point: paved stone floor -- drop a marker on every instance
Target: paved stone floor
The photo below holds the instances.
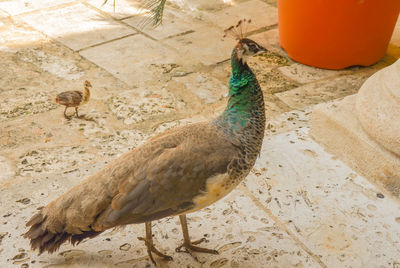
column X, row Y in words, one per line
column 300, row 207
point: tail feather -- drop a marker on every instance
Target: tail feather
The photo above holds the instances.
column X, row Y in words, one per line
column 42, row 239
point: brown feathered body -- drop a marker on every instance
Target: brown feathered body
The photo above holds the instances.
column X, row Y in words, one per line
column 177, row 172
column 73, row 98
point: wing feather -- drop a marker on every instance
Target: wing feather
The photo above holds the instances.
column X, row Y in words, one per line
column 170, row 171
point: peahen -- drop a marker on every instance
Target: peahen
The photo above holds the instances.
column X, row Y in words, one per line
column 177, row 172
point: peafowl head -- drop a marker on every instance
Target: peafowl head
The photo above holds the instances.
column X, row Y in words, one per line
column 87, row 84
column 245, row 48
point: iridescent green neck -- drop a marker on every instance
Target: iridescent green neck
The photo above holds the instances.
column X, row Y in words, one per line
column 244, row 92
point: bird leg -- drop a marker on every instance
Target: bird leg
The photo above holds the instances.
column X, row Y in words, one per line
column 65, row 113
column 76, row 111
column 190, row 246
column 150, row 246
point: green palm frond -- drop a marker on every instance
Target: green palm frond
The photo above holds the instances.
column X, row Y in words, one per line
column 154, row 12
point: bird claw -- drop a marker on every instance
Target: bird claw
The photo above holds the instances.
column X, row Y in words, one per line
column 151, row 248
column 190, row 248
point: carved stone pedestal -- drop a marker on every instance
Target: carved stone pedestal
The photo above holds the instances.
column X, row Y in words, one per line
column 363, row 130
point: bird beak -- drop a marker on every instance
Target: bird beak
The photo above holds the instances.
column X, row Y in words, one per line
column 262, row 50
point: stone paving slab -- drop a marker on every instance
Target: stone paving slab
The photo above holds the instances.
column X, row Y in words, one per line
column 257, row 241
column 198, row 8
column 313, row 93
column 76, row 26
column 135, row 106
column 338, row 215
column 269, row 40
column 15, row 7
column 175, row 22
column 121, row 10
column 207, row 88
column 206, row 45
column 337, row 126
column 143, row 86
column 135, row 59
column 3, row 14
column 15, row 36
column 305, row 74
column 261, row 14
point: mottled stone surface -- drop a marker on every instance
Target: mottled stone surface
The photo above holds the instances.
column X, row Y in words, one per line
column 174, row 23
column 205, row 45
column 76, row 26
column 305, row 74
column 121, row 10
column 261, row 14
column 15, row 7
column 337, row 126
column 298, row 208
column 135, row 59
column 332, row 210
column 313, row 93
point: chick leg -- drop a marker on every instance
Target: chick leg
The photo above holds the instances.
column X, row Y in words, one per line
column 188, row 245
column 76, row 111
column 150, row 246
column 65, row 113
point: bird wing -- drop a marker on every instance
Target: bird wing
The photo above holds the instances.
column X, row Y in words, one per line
column 170, row 171
column 69, row 98
column 163, row 177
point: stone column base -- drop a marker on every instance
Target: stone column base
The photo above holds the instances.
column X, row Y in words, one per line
column 336, row 126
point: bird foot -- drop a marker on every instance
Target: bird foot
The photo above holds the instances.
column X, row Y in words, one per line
column 151, row 248
column 190, row 248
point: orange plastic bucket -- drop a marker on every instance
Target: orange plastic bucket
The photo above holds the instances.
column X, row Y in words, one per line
column 335, row 34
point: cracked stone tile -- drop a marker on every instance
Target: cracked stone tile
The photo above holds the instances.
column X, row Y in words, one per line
column 333, row 211
column 271, row 2
column 205, row 87
column 61, row 67
column 196, row 7
column 270, row 40
column 108, row 139
column 15, row 7
column 317, row 92
column 136, row 60
column 135, row 106
column 7, row 172
column 273, row 106
column 50, row 159
column 164, row 126
column 288, row 121
column 244, row 237
column 122, row 8
column 14, row 36
column 76, row 26
column 15, row 104
column 175, row 22
column 260, row 13
column 205, row 45
column 305, row 74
